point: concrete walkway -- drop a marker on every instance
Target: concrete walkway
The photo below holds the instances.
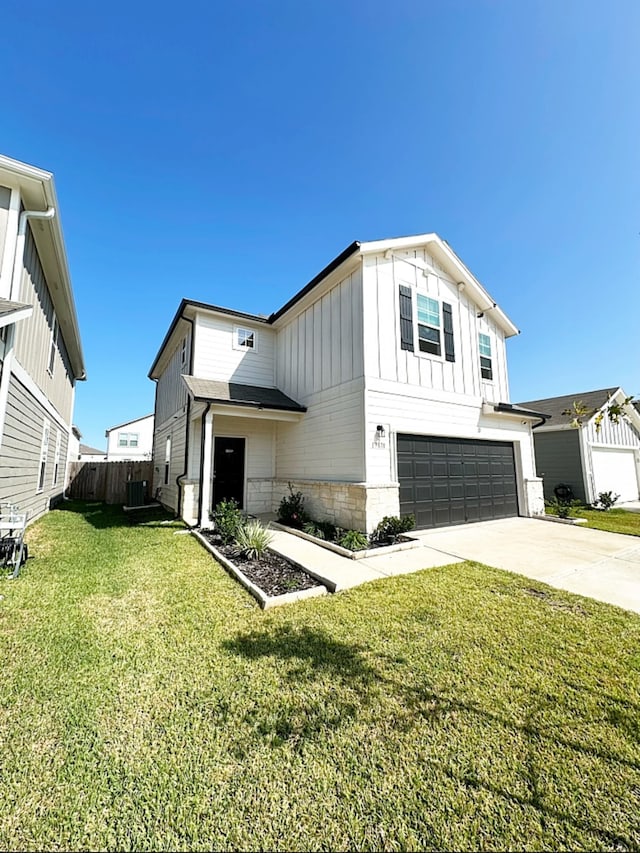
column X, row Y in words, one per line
column 338, row 572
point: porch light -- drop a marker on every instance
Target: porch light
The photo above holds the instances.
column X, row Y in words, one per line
column 379, row 431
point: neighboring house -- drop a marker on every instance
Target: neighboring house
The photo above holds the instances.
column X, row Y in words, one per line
column 40, row 344
column 379, row 389
column 588, row 460
column 132, row 440
column 91, row 454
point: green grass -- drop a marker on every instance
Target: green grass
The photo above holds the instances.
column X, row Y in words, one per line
column 614, row 520
column 146, row 702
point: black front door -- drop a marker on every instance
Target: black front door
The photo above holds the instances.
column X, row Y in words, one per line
column 228, row 470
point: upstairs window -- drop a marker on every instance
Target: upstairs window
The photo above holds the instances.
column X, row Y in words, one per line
column 183, row 353
column 428, row 325
column 244, row 339
column 54, row 345
column 486, row 364
column 128, row 439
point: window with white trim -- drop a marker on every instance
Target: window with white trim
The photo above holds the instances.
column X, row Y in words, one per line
column 128, row 439
column 44, row 450
column 56, row 458
column 428, row 324
column 486, row 363
column 167, row 459
column 244, row 339
column 53, row 346
column 183, row 353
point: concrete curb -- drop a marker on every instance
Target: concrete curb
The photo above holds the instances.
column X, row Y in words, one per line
column 265, row 601
column 345, row 552
column 557, row 520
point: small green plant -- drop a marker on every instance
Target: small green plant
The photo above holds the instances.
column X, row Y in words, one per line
column 252, row 540
column 391, row 528
column 562, row 508
column 605, row 501
column 311, row 528
column 228, row 520
column 353, row 540
column 291, row 510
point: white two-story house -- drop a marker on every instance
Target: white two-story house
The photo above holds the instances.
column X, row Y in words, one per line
column 380, row 388
column 40, row 348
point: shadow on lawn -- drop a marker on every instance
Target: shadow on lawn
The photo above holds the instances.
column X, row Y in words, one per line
column 102, row 516
column 316, row 655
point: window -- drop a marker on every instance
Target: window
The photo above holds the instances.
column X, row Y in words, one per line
column 244, row 339
column 54, row 345
column 484, row 345
column 44, row 450
column 128, row 439
column 428, row 325
column 167, row 459
column 56, row 458
column 183, row 353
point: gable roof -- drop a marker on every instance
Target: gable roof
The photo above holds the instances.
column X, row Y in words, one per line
column 37, row 191
column 255, row 396
column 128, row 423
column 555, row 406
column 441, row 250
column 91, row 451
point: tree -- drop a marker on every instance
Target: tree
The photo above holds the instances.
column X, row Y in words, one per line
column 612, row 410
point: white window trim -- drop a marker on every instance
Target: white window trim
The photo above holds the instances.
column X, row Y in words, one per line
column 491, row 358
column 183, row 353
column 416, row 335
column 127, row 439
column 56, row 458
column 167, row 460
column 44, row 452
column 236, row 345
column 53, row 346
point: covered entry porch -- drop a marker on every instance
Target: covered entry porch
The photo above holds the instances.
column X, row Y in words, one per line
column 233, row 430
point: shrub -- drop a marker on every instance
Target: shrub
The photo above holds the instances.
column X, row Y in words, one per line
column 563, row 509
column 605, row 501
column 228, row 520
column 392, row 527
column 353, row 540
column 291, row 510
column 252, row 540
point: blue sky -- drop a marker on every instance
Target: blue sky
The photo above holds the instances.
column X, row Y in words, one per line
column 227, row 152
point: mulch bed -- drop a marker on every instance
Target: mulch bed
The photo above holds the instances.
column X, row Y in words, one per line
column 275, row 575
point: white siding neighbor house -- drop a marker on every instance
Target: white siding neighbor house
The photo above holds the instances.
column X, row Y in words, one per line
column 40, row 347
column 379, row 389
column 130, row 441
column 588, row 459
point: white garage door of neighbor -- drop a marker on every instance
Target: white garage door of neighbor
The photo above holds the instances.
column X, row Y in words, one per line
column 615, row 471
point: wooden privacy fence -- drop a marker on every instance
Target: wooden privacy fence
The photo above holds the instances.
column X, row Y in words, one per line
column 107, row 481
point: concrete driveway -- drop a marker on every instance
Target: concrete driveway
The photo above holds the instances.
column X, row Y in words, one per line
column 605, row 566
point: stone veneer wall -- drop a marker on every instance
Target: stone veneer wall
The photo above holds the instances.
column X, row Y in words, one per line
column 354, row 506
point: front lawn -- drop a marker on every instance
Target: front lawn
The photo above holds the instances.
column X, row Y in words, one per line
column 146, row 702
column 614, row 520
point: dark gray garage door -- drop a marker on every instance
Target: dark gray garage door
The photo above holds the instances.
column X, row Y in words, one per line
column 455, row 480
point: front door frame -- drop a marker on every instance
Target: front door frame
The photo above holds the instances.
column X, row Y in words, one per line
column 235, row 436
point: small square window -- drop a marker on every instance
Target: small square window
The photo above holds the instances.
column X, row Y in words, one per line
column 245, row 339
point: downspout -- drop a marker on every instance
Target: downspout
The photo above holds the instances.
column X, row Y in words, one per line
column 542, row 422
column 18, row 262
column 180, row 477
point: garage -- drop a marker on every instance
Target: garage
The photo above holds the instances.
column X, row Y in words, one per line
column 446, row 481
column 614, row 470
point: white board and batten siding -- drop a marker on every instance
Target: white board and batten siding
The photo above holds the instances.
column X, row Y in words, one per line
column 5, row 201
column 171, row 392
column 320, row 364
column 217, row 357
column 386, row 360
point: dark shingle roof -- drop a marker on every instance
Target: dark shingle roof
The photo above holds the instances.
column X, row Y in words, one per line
column 240, row 395
column 91, row 451
column 555, row 406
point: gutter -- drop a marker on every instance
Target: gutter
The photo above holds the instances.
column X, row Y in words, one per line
column 510, row 409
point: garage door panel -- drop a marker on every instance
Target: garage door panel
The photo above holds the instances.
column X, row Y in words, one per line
column 455, row 481
column 614, row 470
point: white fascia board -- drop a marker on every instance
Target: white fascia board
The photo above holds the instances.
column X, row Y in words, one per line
column 37, row 191
column 630, row 410
column 445, row 255
column 16, row 316
column 260, row 414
